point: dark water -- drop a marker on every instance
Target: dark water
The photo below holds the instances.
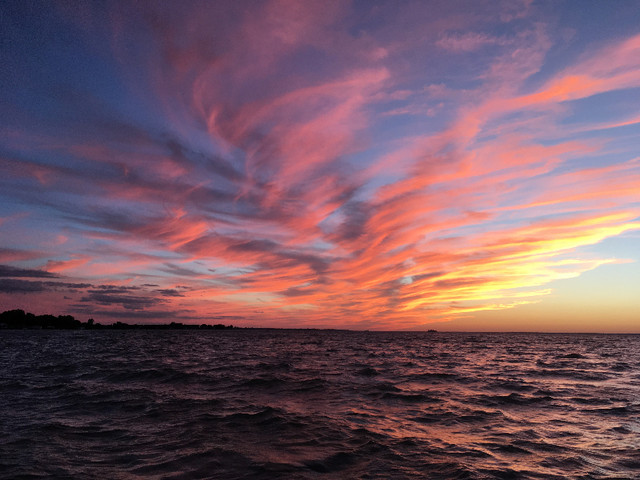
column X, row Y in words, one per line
column 318, row 404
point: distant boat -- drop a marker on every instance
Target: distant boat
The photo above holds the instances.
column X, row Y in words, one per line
column 431, row 330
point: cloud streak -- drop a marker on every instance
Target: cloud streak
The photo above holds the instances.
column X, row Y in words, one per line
column 299, row 163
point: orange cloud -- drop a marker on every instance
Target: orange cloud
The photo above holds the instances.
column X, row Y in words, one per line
column 279, row 177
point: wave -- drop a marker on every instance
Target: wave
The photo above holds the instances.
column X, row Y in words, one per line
column 308, row 405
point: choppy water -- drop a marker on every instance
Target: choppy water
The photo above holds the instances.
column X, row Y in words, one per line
column 318, row 404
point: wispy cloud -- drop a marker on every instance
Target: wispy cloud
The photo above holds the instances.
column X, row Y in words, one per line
column 13, row 272
column 310, row 163
column 467, row 42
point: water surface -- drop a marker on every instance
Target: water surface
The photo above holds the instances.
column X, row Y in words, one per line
column 269, row 404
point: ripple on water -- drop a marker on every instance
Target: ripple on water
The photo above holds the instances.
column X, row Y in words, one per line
column 318, row 404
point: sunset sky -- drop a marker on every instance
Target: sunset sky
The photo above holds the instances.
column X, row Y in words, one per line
column 369, row 165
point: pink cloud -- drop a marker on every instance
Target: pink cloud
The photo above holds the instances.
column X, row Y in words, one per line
column 63, row 265
column 288, row 187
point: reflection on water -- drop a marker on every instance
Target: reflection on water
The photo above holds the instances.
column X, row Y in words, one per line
column 309, row 404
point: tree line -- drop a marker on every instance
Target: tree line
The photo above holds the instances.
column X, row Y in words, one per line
column 19, row 319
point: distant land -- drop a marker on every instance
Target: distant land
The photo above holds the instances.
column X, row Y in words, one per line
column 19, row 319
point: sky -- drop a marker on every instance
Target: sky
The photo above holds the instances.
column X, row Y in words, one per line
column 456, row 165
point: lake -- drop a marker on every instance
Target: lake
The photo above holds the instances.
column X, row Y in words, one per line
column 316, row 404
